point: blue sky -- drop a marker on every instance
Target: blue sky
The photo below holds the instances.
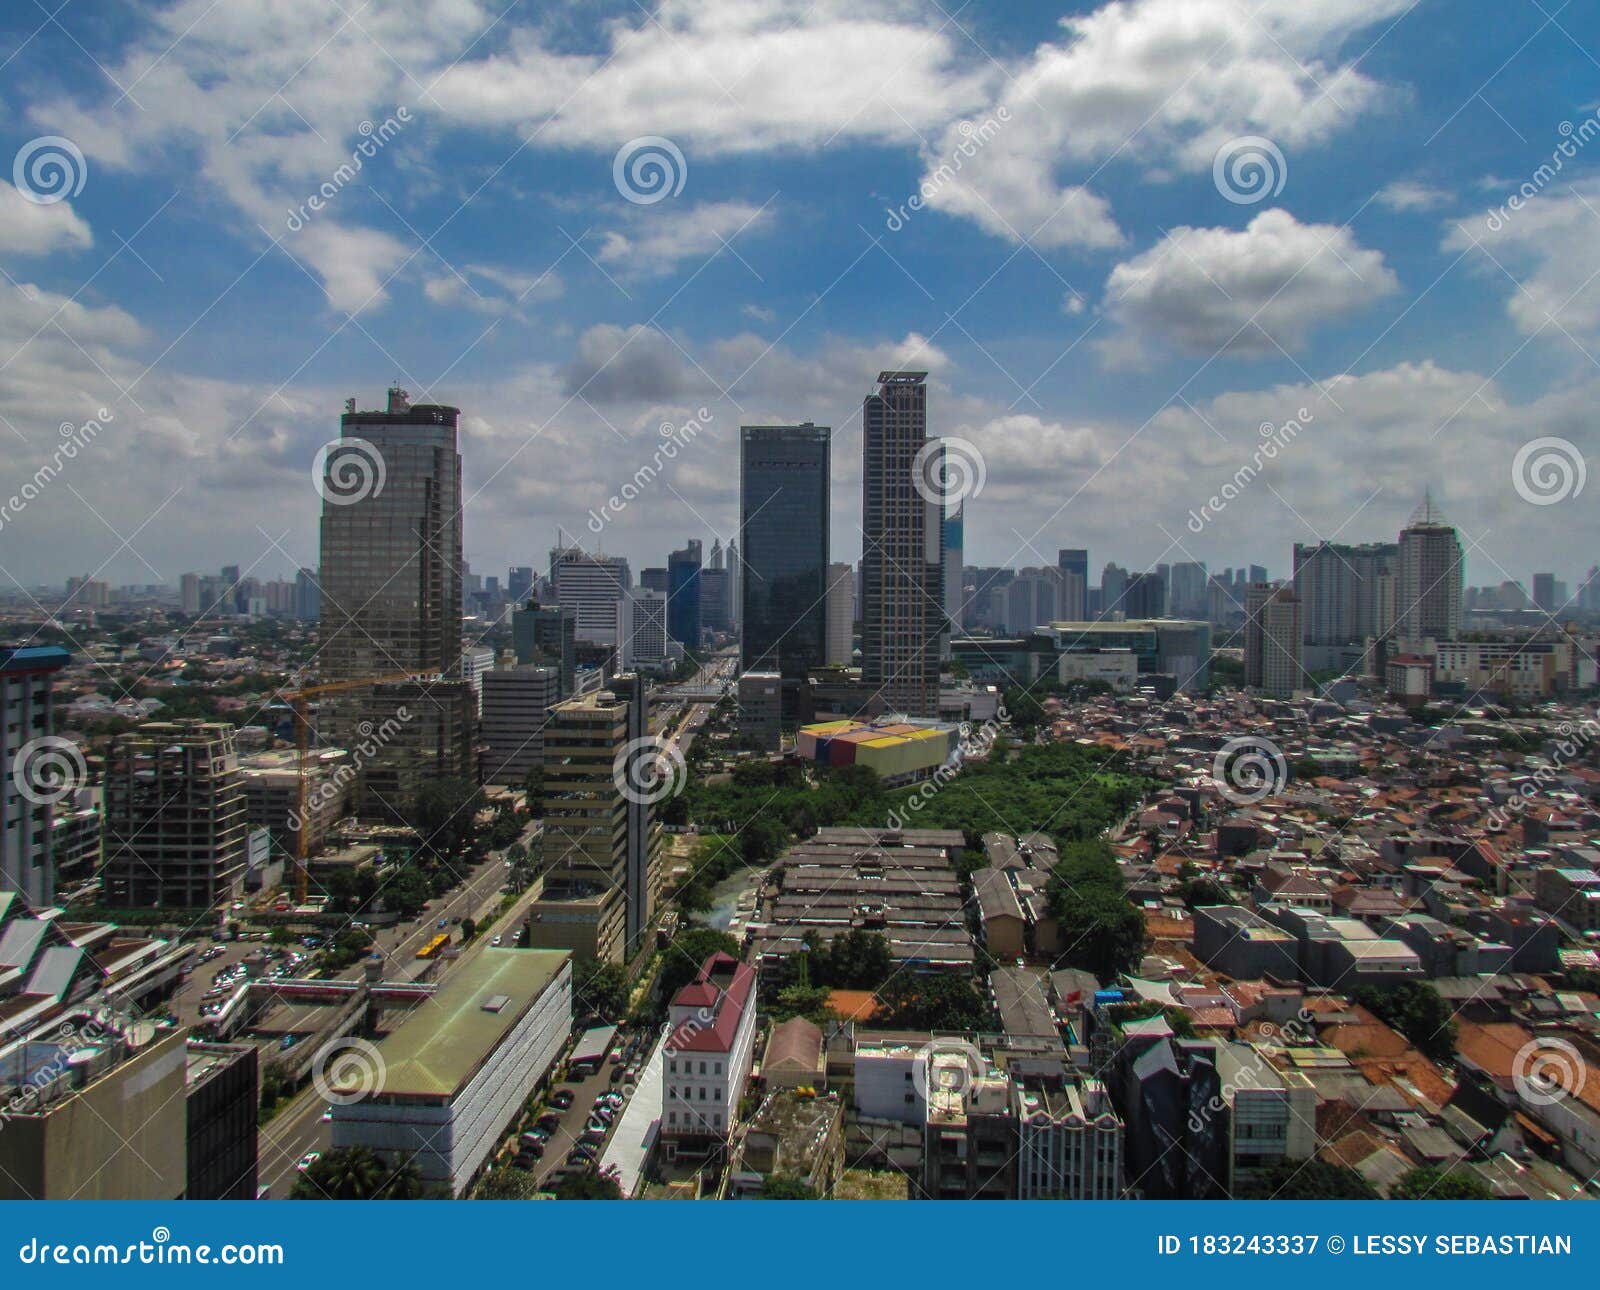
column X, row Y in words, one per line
column 1105, row 328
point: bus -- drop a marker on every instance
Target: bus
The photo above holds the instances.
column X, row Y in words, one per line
column 434, row 946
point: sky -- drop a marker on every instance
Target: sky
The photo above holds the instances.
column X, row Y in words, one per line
column 1132, row 243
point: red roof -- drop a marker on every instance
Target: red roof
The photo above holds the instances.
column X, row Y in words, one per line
column 719, row 996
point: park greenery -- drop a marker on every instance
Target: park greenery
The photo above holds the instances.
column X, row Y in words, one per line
column 1103, row 933
column 1418, row 1011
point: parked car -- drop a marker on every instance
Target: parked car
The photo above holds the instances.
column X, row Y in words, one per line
column 549, row 1122
column 561, row 1099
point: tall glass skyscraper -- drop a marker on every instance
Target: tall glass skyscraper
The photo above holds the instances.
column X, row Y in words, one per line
column 902, row 562
column 683, row 595
column 783, row 546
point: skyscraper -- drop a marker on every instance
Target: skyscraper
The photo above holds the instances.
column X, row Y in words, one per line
column 901, row 559
column 590, row 586
column 1339, row 587
column 519, row 582
column 841, row 614
column 546, row 635
column 1144, row 596
column 642, row 632
column 1544, row 592
column 954, row 553
column 1429, row 577
column 1272, row 641
column 683, row 595
column 782, row 557
column 27, row 713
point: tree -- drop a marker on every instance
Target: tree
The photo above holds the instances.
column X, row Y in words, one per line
column 356, row 1173
column 855, row 960
column 1307, row 1180
column 786, row 1187
column 680, row 964
column 469, row 928
column 808, row 1001
column 932, row 1001
column 408, row 891
column 1103, row 933
column 600, row 988
column 1431, row 1183
column 587, row 1186
column 1418, row 1011
column 1204, row 891
column 507, row 1183
column 444, row 813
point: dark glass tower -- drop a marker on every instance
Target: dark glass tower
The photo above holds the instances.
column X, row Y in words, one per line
column 783, row 544
column 683, row 595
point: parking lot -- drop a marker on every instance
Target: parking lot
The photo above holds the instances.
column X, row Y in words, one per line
column 573, row 1122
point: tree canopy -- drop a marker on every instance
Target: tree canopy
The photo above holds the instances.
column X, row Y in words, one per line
column 356, row 1173
column 1418, row 1011
column 1307, row 1180
column 1431, row 1183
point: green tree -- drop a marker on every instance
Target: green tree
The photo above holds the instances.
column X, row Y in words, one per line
column 1307, row 1180
column 1205, row 891
column 1418, row 1011
column 587, row 1186
column 680, row 963
column 507, row 1183
column 855, row 960
column 469, row 928
column 932, row 1001
column 808, row 1001
column 355, row 1173
column 444, row 815
column 600, row 988
column 786, row 1187
column 1431, row 1183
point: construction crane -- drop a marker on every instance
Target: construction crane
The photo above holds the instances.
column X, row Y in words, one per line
column 297, row 700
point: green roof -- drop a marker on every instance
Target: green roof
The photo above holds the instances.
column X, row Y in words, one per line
column 443, row 1041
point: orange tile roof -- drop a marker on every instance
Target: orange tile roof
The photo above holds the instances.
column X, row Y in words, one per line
column 853, row 1005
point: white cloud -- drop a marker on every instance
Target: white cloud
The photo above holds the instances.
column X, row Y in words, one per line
column 659, row 238
column 1208, row 290
column 32, row 228
column 1412, row 195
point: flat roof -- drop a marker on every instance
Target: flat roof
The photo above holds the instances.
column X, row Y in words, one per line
column 446, row 1038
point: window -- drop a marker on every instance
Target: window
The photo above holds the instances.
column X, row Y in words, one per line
column 718, row 1093
column 702, row 1068
column 672, row 1066
column 672, row 1117
column 716, row 1068
column 702, row 1093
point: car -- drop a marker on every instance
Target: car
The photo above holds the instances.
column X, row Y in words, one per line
column 306, row 1161
column 611, row 1099
column 593, row 1135
column 562, row 1099
column 596, row 1125
column 579, row 1159
column 617, row 1073
column 287, row 1042
column 535, row 1137
column 327, row 1114
column 497, row 939
column 527, row 1160
column 549, row 1123
column 443, row 923
column 618, row 1057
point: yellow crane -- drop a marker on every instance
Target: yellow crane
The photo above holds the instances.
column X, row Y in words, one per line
column 297, row 700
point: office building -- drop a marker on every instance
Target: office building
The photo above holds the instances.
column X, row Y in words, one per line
column 783, row 548
column 476, row 663
column 1144, row 596
column 761, row 711
column 1544, row 593
column 222, row 1110
column 1186, row 587
column 589, row 586
column 420, row 731
column 1429, row 577
column 1033, row 598
column 175, row 817
column 458, row 1067
column 840, row 651
column 28, row 861
column 683, row 595
column 642, row 630
column 707, row 1055
column 1341, row 589
column 657, row 580
column 546, row 635
column 955, row 541
column 519, row 583
column 902, row 561
column 516, row 701
column 716, row 613
column 735, row 584
column 1272, row 642
column 1113, row 586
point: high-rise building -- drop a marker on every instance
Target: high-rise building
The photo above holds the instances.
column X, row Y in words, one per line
column 32, row 776
column 1340, row 588
column 735, row 584
column 783, row 548
column 547, row 635
column 1144, row 596
column 189, row 593
column 683, row 595
column 716, row 599
column 1074, row 559
column 656, row 579
column 600, row 846
column 642, row 635
column 1113, row 585
column 519, row 582
column 175, row 817
column 901, row 560
column 590, row 586
column 716, row 558
column 841, row 615
column 1033, row 598
column 1257, row 573
column 1272, row 636
column 1544, row 592
column 1428, row 577
column 1186, row 596
column 955, row 542
column 516, row 701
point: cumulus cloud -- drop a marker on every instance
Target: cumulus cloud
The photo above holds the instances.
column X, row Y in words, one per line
column 659, row 238
column 1251, row 291
column 32, row 228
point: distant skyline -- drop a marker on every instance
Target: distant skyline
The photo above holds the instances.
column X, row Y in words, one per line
column 1047, row 206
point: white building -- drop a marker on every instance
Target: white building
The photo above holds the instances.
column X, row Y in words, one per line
column 475, row 665
column 1069, row 1143
column 1118, row 668
column 453, row 1075
column 642, row 631
column 590, row 586
column 708, row 1055
column 515, row 703
column 840, row 630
